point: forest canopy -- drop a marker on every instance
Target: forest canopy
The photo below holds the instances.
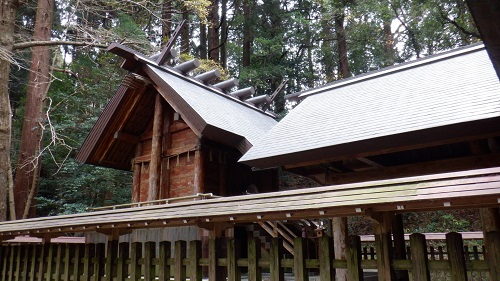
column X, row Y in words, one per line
column 56, row 76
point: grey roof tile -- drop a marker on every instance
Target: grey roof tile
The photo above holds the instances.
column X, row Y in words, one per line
column 452, row 88
column 220, row 110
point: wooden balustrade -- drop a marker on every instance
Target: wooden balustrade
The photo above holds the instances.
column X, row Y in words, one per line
column 160, row 261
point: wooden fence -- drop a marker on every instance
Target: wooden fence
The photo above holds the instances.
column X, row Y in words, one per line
column 180, row 261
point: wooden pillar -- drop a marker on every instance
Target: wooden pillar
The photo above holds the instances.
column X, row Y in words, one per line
column 456, row 258
column 198, row 172
column 420, row 265
column 233, row 271
column 180, row 255
column 490, row 219
column 299, row 259
column 383, row 243
column 355, row 273
column 398, row 235
column 155, row 164
column 166, row 142
column 195, row 273
column 136, row 185
column 275, row 253
column 493, row 254
column 339, row 226
column 254, row 271
column 326, row 255
column 165, row 254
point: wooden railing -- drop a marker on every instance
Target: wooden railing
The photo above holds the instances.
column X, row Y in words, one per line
column 156, row 261
column 197, row 196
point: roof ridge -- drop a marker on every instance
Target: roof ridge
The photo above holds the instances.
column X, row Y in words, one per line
column 194, row 81
column 389, row 70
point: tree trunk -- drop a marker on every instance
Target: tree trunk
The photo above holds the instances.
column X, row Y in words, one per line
column 213, row 31
column 224, row 34
column 28, row 169
column 185, row 33
column 388, row 44
column 203, row 41
column 166, row 17
column 247, row 33
column 341, row 45
column 7, row 19
column 326, row 46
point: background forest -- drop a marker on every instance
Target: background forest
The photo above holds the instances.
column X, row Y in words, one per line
column 61, row 77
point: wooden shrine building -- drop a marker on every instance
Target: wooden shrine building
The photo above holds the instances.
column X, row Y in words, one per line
column 420, row 136
column 180, row 135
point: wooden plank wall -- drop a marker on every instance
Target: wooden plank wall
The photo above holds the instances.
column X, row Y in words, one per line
column 184, row 260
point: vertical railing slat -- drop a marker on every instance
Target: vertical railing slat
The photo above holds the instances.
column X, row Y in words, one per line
column 233, row 272
column 180, row 255
column 419, row 259
column 353, row 255
column 275, row 253
column 254, row 271
column 165, row 254
column 195, row 273
column 456, row 257
column 149, row 254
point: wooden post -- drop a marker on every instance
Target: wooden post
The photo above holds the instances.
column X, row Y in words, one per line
column 27, row 259
column 77, row 269
column 339, row 226
column 456, row 259
column 18, row 263
column 275, row 253
column 198, row 172
column 100, row 253
column 398, row 235
column 110, row 268
column 195, row 273
column 233, row 272
column 34, row 255
column 68, row 253
column 299, row 259
column 180, row 255
column 135, row 255
column 254, row 271
column 5, row 254
column 165, row 254
column 121, row 267
column 420, row 266
column 156, row 150
column 149, row 255
column 355, row 273
column 57, row 275
column 490, row 220
column 383, row 243
column 213, row 258
column 326, row 255
column 50, row 258
column 136, row 183
column 493, row 254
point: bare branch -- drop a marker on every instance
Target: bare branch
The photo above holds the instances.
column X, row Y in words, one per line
column 25, row 45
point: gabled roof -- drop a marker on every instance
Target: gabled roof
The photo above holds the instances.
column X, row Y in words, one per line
column 209, row 112
column 446, row 96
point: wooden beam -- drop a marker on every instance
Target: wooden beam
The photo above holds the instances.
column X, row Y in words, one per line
column 126, row 137
column 165, row 53
column 434, row 167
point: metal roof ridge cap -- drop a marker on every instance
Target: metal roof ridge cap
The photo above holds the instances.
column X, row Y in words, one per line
column 198, row 83
column 392, row 69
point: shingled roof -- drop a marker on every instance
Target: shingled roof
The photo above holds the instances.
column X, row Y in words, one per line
column 210, row 113
column 449, row 95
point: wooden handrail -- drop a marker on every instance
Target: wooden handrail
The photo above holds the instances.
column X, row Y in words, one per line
column 199, row 196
